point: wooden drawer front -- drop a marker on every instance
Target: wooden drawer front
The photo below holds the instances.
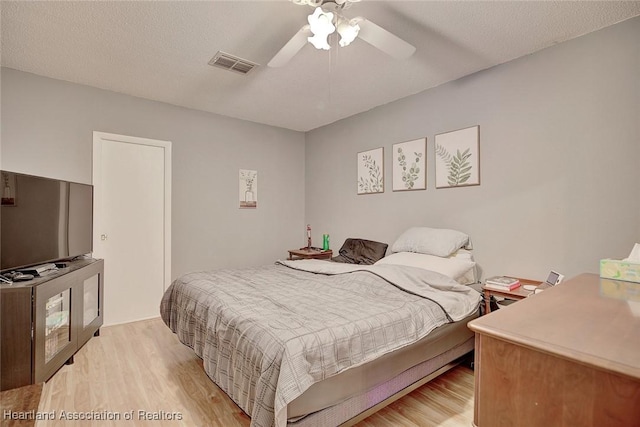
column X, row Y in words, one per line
column 520, row 386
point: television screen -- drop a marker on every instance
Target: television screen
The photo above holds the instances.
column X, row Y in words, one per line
column 43, row 220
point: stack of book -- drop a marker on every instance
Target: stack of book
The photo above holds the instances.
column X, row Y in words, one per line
column 502, row 283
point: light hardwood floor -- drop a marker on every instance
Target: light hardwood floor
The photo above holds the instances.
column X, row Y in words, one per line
column 142, row 366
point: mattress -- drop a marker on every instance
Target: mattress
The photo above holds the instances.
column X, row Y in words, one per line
column 358, row 380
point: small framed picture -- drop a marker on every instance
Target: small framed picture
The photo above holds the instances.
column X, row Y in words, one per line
column 458, row 158
column 248, row 190
column 409, row 165
column 371, row 171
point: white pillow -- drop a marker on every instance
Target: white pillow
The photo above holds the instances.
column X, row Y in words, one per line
column 440, row 242
column 452, row 267
column 470, row 276
column 462, row 254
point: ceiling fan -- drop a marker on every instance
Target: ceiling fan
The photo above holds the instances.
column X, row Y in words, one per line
column 326, row 19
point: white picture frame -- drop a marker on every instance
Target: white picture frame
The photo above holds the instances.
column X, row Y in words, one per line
column 409, row 165
column 248, row 189
column 457, row 162
column 371, row 171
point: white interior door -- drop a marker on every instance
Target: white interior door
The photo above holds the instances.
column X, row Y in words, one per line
column 131, row 178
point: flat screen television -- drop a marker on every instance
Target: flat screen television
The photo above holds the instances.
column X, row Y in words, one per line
column 43, row 220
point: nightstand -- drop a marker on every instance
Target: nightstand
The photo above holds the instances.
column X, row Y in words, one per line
column 517, row 294
column 311, row 253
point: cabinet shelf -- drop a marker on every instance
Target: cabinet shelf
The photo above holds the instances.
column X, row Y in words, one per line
column 56, row 320
column 52, row 303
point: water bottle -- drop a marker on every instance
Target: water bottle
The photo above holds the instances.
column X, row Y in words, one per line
column 325, row 242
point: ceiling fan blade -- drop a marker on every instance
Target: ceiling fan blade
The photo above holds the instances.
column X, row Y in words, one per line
column 292, row 47
column 382, row 39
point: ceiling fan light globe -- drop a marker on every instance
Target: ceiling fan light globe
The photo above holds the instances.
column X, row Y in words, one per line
column 348, row 33
column 321, row 22
column 321, row 25
column 319, row 42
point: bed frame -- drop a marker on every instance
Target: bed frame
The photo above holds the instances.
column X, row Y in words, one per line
column 408, row 389
column 357, row 408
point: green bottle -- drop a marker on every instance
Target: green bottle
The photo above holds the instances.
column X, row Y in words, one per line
column 325, row 242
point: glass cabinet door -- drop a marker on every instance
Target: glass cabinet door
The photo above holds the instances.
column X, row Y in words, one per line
column 57, row 333
column 66, row 313
column 91, row 297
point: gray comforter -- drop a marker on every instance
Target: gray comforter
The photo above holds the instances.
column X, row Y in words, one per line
column 266, row 334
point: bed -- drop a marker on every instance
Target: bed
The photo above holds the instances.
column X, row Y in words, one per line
column 317, row 343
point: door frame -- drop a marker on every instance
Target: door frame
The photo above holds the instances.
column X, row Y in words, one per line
column 98, row 138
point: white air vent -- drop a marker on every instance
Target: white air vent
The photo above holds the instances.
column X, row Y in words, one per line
column 233, row 63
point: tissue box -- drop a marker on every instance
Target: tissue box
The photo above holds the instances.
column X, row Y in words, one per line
column 620, row 290
column 620, row 270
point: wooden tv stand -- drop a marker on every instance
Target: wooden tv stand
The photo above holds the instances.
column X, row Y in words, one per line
column 45, row 321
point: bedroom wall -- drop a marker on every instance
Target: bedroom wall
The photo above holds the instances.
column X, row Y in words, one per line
column 559, row 150
column 47, row 128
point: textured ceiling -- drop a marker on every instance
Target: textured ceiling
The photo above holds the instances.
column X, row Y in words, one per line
column 160, row 50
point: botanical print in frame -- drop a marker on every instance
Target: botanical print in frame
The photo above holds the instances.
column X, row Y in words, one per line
column 8, row 189
column 409, row 165
column 458, row 158
column 248, row 189
column 371, row 171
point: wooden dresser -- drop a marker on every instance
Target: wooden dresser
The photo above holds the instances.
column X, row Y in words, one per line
column 568, row 356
